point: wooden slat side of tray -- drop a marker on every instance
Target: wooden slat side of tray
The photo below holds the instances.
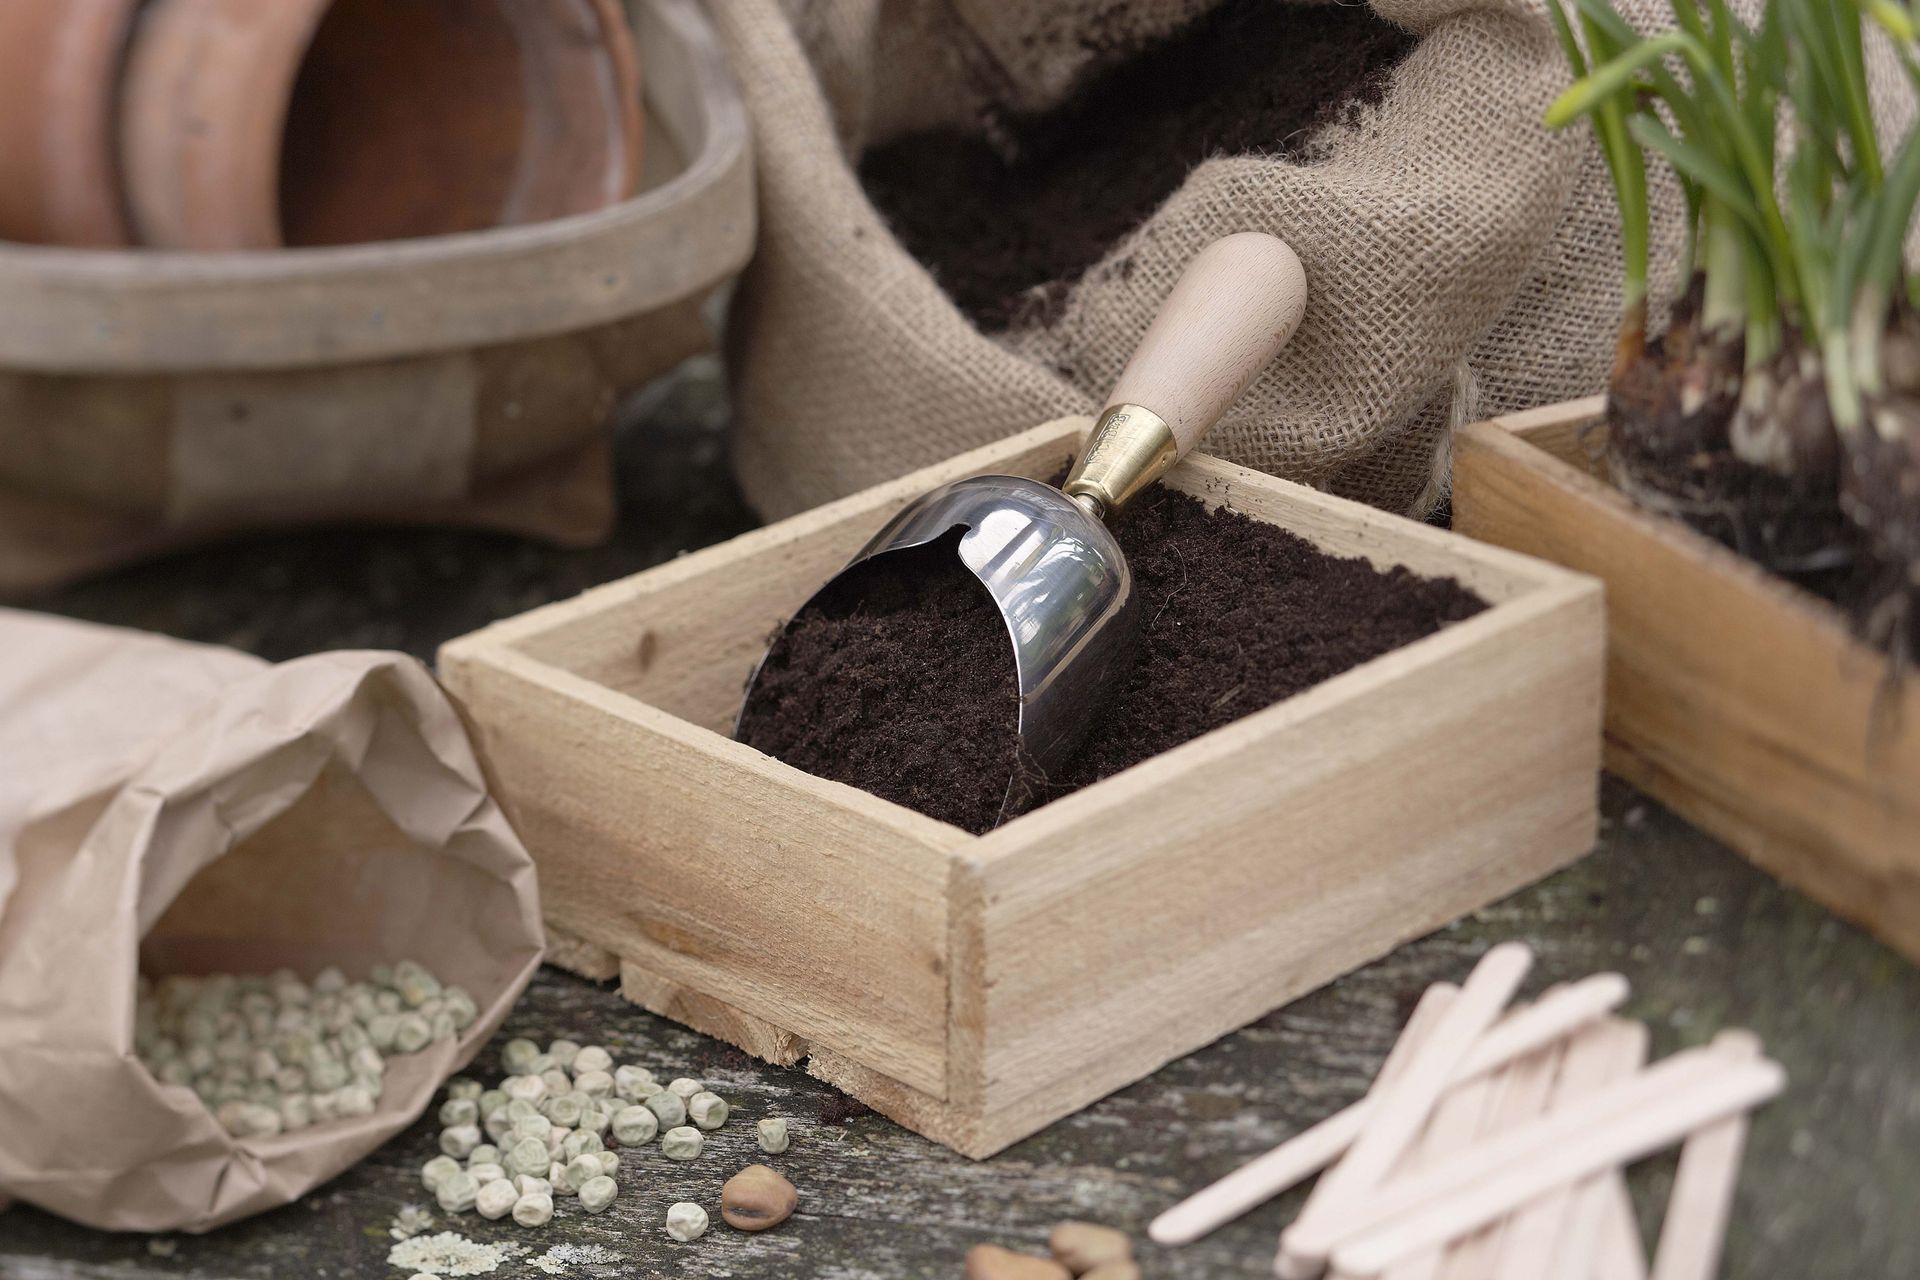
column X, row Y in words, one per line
column 684, row 637
column 1284, row 849
column 798, row 901
column 1736, row 699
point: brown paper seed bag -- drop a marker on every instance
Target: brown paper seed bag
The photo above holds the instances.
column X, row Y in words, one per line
column 182, row 808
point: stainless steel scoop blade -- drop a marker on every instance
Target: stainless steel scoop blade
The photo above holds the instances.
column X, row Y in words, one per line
column 1044, row 554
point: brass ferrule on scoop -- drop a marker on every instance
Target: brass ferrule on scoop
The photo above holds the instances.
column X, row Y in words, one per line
column 1130, row 448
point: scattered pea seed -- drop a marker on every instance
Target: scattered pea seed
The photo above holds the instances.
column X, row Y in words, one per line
column 562, row 1052
column 459, row 1111
column 531, row 1090
column 516, row 1054
column 682, row 1143
column 485, row 1153
column 459, row 1140
column 772, row 1135
column 558, row 1082
column 597, row 1192
column 685, row 1087
column 591, row 1058
column 667, row 1108
column 609, row 1162
column 581, row 1169
column 528, row 1156
column 490, row 1101
column 464, row 1088
column 533, row 1210
column 634, row 1083
column 496, row 1199
column 456, row 1191
column 686, row 1221
column 634, row 1126
column 564, row 1110
column 533, row 1126
column 581, row 1143
column 529, row 1185
column 487, row 1172
column 709, row 1110
column 541, row 1064
column 557, row 1175
column 596, row 1121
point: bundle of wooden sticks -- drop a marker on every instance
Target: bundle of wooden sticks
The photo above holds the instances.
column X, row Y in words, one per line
column 1492, row 1146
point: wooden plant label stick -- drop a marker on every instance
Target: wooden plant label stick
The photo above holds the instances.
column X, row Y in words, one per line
column 1455, row 1123
column 1619, row 1255
column 1312, row 1150
column 1580, row 1235
column 1531, row 1234
column 1702, row 1199
column 1499, row 1176
column 1529, row 1088
column 1403, row 1107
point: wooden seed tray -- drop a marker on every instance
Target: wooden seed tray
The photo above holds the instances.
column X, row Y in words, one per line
column 1741, row 702
column 977, row 988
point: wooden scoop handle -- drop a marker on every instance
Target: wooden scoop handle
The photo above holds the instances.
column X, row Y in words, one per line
column 1238, row 303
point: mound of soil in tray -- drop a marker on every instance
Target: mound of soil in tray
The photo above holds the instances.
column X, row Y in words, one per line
column 1036, row 200
column 909, row 692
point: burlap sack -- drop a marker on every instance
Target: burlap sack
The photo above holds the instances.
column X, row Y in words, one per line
column 1464, row 261
column 179, row 808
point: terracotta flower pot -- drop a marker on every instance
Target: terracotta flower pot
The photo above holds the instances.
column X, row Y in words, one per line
column 59, row 71
column 252, row 125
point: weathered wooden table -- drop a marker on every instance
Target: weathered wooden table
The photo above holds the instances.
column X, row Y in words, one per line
column 1832, row 1174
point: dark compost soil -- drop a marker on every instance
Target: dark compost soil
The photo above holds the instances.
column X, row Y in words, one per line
column 1032, row 201
column 909, row 692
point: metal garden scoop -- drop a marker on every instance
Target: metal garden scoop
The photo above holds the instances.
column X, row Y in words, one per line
column 1044, row 554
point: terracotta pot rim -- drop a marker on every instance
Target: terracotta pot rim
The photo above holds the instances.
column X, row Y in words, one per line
column 103, row 310
column 239, row 62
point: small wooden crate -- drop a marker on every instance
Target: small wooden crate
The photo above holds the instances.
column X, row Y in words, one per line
column 977, row 988
column 1741, row 702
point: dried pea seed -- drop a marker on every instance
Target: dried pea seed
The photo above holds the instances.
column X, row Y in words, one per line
column 490, row 1101
column 709, row 1110
column 682, row 1143
column 668, row 1108
column 487, row 1171
column 595, row 1121
column 686, row 1221
column 357, row 1100
column 592, row 1058
column 541, row 1064
column 559, row 1083
column 564, row 1110
column 519, row 1109
column 496, row 1199
column 529, row 1156
column 498, row 1126
column 557, row 1175
column 533, row 1210
column 562, row 1052
column 412, row 1033
column 459, row 1140
column 485, row 1153
column 581, row 1169
column 530, row 1184
column 464, row 1088
column 772, row 1135
column 533, row 1126
column 634, row 1083
column 633, row 1126
column 457, row 1191
column 580, row 1143
column 516, row 1054
column 609, row 1162
column 531, row 1090
column 594, row 1084
column 685, row 1087
column 459, row 1111
column 597, row 1192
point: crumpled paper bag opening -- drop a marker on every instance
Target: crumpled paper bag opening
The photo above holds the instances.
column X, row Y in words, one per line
column 202, row 811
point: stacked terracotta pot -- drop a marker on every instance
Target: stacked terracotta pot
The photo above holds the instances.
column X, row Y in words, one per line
column 257, row 124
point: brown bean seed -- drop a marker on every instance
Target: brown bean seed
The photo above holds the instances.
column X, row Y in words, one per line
column 991, row 1262
column 757, row 1198
column 1082, row 1246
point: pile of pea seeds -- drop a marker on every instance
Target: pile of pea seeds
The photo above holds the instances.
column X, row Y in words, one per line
column 270, row 1053
column 544, row 1132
